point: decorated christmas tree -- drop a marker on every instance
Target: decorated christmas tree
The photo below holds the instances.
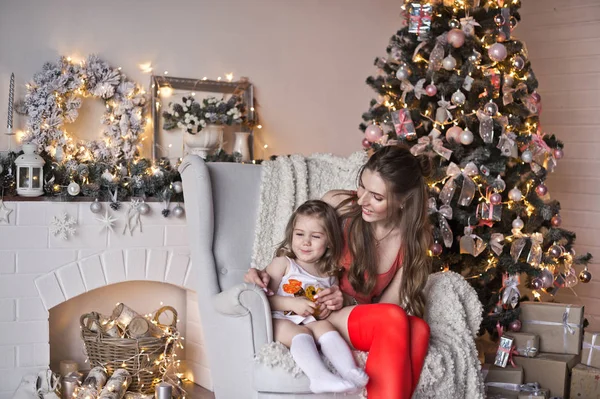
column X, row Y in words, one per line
column 456, row 84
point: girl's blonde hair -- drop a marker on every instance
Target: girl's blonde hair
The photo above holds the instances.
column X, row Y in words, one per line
column 403, row 174
column 329, row 263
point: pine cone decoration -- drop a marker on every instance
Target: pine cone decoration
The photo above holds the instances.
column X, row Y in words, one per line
column 166, row 212
column 115, row 206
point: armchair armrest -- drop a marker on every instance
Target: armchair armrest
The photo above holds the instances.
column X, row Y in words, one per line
column 248, row 300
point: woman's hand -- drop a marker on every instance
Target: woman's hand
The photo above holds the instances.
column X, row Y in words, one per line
column 323, row 312
column 302, row 306
column 331, row 297
column 260, row 278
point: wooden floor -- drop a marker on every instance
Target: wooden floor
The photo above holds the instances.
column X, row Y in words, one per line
column 197, row 392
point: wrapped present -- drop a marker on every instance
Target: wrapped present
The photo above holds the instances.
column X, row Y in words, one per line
column 558, row 325
column 505, row 351
column 585, row 382
column 590, row 356
column 493, row 76
column 489, row 211
column 539, row 393
column 403, row 124
column 526, row 344
column 419, row 18
column 505, row 382
column 550, row 370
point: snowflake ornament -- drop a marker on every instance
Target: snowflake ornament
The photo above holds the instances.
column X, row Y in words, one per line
column 63, row 226
column 4, row 212
column 133, row 217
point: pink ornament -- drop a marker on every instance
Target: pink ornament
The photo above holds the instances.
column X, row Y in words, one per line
column 495, row 199
column 541, row 190
column 537, row 283
column 366, row 143
column 453, row 134
column 515, row 325
column 497, row 52
column 456, row 37
column 436, row 249
column 373, row 133
column 535, row 96
column 556, row 221
column 431, row 90
column 558, row 153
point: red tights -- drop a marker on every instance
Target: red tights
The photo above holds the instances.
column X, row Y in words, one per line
column 397, row 346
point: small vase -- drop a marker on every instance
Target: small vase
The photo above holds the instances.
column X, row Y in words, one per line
column 205, row 141
column 240, row 145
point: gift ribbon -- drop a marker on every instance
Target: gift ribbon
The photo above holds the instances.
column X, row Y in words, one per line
column 568, row 328
column 535, row 253
column 435, row 142
column 528, row 351
column 507, row 92
column 468, row 25
column 486, row 126
column 437, row 54
column 507, row 143
column 468, row 188
column 548, row 163
column 529, row 387
column 443, row 113
column 591, row 347
column 445, row 213
column 407, row 87
column 490, row 215
column 401, row 129
column 510, row 352
column 510, row 286
column 496, row 242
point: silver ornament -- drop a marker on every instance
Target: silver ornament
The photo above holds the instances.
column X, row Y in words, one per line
column 547, row 278
column 499, row 19
column 513, row 22
column 178, row 211
column 402, row 73
column 497, row 52
column 96, row 206
column 449, row 63
column 555, row 251
column 144, row 208
column 490, row 108
column 518, row 223
column 458, row 98
column 518, row 62
column 177, row 187
column 515, row 194
column 466, row 137
column 73, row 189
column 475, row 58
column 585, row 276
column 454, row 23
column 499, row 185
column 527, row 156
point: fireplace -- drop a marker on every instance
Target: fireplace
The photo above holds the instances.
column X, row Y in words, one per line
column 41, row 276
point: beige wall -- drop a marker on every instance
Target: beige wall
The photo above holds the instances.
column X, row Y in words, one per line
column 308, row 59
column 564, row 47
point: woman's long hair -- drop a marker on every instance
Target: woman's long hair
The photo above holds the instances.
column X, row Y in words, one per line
column 403, row 174
column 329, row 263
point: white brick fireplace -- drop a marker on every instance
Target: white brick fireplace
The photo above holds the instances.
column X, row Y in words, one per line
column 39, row 271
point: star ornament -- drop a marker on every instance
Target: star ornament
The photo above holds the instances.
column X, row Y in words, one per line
column 107, row 221
column 4, row 212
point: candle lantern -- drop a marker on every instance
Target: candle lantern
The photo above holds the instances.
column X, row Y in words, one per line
column 30, row 169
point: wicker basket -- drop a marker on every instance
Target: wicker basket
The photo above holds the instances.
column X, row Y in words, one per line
column 138, row 356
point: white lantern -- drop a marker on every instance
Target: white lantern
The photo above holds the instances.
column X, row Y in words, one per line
column 30, row 172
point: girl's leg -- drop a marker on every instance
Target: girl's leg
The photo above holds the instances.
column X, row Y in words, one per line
column 419, row 344
column 304, row 351
column 383, row 330
column 335, row 348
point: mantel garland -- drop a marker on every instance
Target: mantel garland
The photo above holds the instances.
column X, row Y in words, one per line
column 55, row 95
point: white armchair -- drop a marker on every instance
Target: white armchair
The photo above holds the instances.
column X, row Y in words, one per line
column 221, row 207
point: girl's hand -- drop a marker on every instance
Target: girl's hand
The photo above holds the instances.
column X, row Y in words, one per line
column 260, row 278
column 302, row 306
column 324, row 312
column 331, row 297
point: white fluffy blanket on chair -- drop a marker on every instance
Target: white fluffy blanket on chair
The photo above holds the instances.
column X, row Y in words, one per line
column 289, row 181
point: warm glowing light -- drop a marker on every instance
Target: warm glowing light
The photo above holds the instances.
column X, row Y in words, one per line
column 146, row 67
column 229, row 76
column 166, row 91
column 259, row 126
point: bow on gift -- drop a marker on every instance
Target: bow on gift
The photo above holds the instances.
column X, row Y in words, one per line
column 529, row 350
column 535, row 253
column 468, row 25
column 468, row 188
column 542, row 153
column 510, row 290
column 507, row 91
column 407, row 87
column 471, row 243
column 445, row 213
column 507, row 145
column 497, row 243
column 443, row 113
column 433, row 140
column 486, row 126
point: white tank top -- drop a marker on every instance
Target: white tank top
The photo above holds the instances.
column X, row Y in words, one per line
column 297, row 282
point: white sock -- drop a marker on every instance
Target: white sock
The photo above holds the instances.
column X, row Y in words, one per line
column 339, row 354
column 305, row 353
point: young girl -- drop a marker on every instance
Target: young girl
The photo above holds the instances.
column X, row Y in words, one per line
column 306, row 263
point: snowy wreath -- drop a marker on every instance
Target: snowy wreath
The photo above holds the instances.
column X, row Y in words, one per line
column 55, row 95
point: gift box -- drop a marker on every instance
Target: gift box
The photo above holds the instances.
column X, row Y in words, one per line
column 526, row 344
column 551, row 370
column 585, row 382
column 505, row 382
column 505, row 350
column 403, row 124
column 537, row 394
column 590, row 356
column 559, row 326
column 489, row 211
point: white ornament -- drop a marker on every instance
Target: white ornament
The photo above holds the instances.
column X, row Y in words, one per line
column 449, row 63
column 133, row 217
column 4, row 212
column 466, row 137
column 73, row 189
column 177, row 187
column 63, row 226
column 458, row 98
column 96, row 206
column 178, row 211
column 107, row 221
column 518, row 223
column 515, row 194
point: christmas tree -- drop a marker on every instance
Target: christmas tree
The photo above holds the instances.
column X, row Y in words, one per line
column 456, row 85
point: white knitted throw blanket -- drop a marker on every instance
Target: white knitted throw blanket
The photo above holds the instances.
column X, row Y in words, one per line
column 451, row 369
column 287, row 182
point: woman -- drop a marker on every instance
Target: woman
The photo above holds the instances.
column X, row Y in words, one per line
column 387, row 235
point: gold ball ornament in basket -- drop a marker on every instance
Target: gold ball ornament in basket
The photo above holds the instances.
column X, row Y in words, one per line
column 142, row 346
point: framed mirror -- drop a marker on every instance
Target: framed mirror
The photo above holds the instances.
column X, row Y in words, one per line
column 165, row 89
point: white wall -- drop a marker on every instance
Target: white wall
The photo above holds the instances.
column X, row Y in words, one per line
column 308, row 59
column 564, row 48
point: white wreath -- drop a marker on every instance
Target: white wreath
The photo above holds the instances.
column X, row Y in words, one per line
column 55, row 95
